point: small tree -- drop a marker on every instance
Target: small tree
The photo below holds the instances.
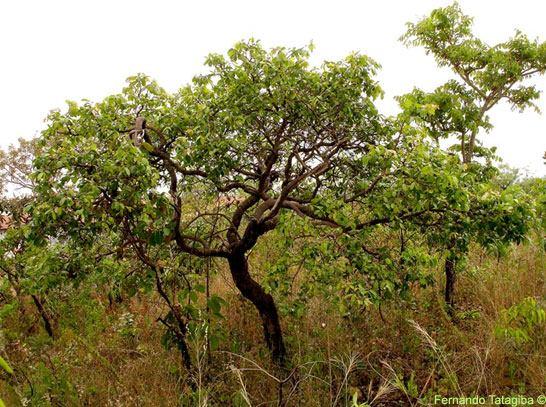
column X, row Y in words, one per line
column 458, row 109
column 15, row 170
column 206, row 172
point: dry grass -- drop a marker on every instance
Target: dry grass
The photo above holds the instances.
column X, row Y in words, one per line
column 414, row 353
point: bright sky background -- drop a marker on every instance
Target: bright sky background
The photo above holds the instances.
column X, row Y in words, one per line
column 51, row 51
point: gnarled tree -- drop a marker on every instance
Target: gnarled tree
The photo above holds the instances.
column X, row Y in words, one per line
column 209, row 170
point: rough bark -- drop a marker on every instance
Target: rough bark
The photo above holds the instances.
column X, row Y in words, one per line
column 264, row 303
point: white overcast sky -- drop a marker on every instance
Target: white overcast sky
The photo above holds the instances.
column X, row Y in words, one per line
column 51, row 51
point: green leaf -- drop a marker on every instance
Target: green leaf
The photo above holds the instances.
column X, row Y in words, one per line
column 4, row 365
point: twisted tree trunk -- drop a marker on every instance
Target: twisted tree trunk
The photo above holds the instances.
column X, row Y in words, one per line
column 263, row 301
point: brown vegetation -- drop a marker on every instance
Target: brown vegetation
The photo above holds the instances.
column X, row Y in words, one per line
column 111, row 355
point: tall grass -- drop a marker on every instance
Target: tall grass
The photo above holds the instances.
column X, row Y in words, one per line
column 403, row 357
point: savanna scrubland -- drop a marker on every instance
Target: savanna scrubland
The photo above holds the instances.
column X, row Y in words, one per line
column 266, row 236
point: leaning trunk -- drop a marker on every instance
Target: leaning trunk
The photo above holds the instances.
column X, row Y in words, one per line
column 43, row 313
column 180, row 330
column 450, row 283
column 263, row 301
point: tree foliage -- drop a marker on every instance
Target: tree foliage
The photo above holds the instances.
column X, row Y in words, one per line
column 146, row 189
